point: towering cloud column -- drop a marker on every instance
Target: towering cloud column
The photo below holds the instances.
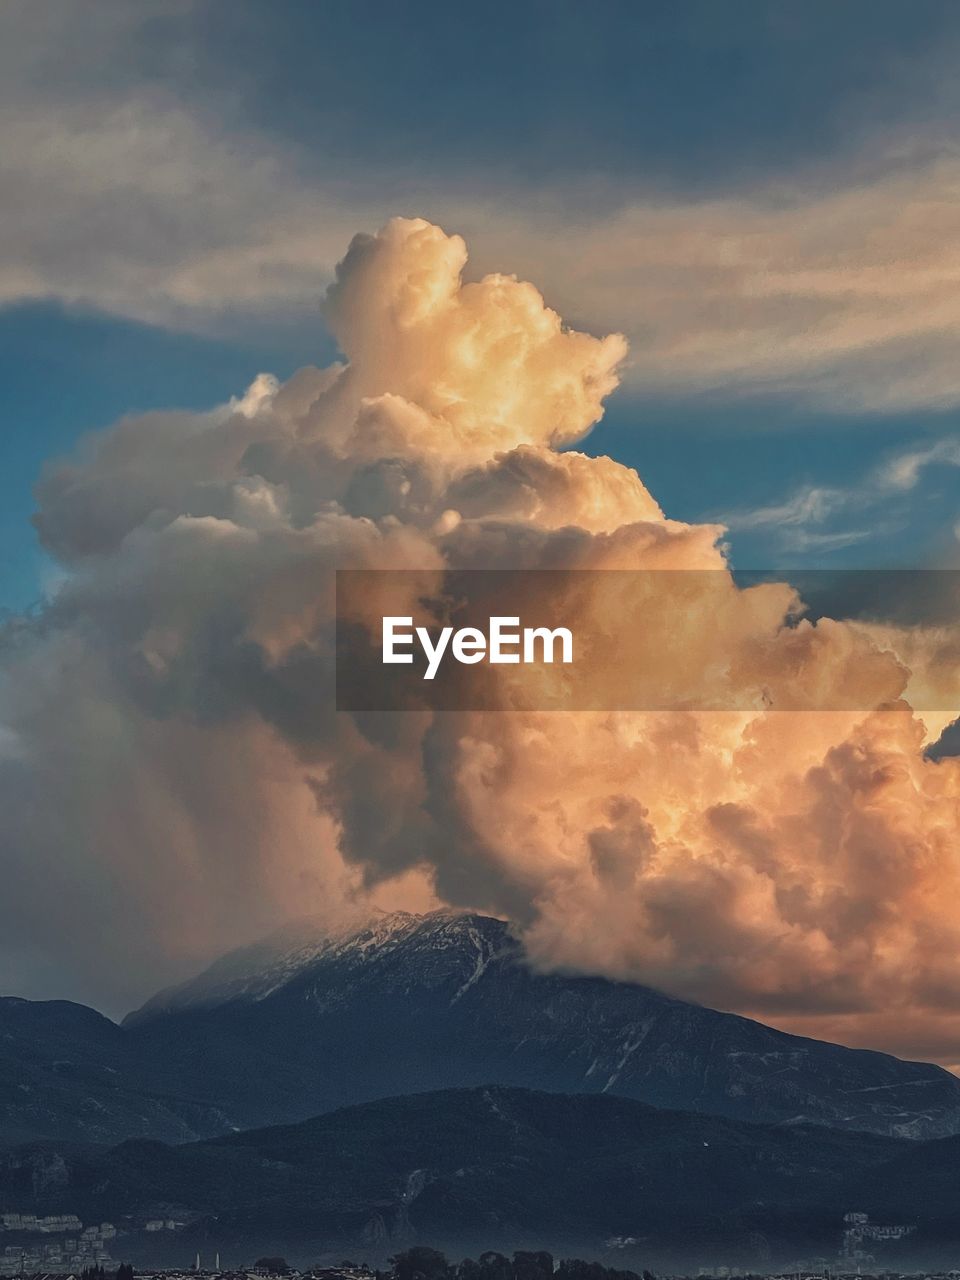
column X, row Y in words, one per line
column 175, row 780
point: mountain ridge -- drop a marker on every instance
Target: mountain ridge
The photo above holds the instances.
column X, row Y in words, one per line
column 490, row 1167
column 299, row 1025
column 68, row 1072
column 449, row 1000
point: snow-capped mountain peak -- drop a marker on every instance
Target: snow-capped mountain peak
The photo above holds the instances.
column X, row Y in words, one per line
column 255, row 972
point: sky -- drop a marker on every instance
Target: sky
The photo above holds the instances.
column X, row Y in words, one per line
column 181, row 178
column 760, row 196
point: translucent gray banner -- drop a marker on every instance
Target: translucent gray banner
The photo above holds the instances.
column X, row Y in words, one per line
column 651, row 640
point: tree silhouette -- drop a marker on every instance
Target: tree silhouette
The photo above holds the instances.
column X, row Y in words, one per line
column 494, row 1266
column 532, row 1266
column 421, row 1263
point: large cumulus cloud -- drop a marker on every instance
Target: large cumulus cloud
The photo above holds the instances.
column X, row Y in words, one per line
column 175, row 779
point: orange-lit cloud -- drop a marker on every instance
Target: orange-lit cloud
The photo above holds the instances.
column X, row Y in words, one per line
column 171, row 761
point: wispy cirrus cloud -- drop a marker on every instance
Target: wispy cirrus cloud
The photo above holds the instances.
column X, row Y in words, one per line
column 798, row 519
column 130, row 193
column 823, row 518
column 904, row 471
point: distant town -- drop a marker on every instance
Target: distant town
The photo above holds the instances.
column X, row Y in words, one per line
column 587, row 1271
column 53, row 1243
column 61, row 1247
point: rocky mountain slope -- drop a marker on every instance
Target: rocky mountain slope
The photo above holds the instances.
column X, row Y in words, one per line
column 446, row 1000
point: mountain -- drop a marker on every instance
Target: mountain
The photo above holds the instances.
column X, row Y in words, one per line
column 304, row 1024
column 469, row 1170
column 67, row 1072
column 300, row 1026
